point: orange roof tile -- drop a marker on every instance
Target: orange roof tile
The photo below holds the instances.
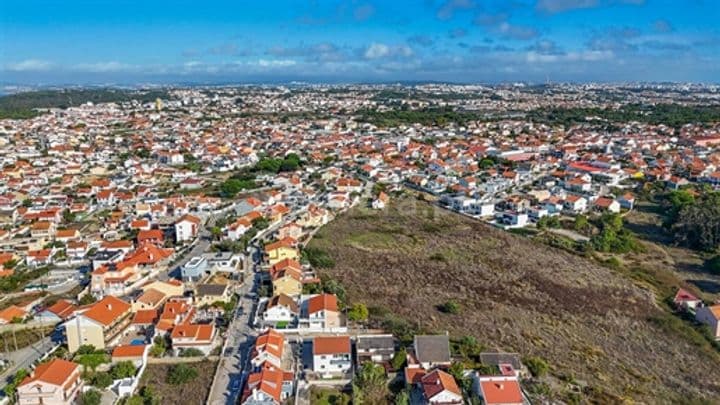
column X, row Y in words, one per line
column 107, row 310
column 56, row 372
column 331, row 344
column 128, row 351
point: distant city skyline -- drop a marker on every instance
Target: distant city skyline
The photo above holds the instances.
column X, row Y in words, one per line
column 465, row 41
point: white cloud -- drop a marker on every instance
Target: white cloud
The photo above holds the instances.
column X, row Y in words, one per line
column 375, row 51
column 29, row 65
column 276, row 63
column 104, row 67
column 583, row 56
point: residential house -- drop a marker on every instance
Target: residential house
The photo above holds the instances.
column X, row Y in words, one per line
column 281, row 311
column 12, row 314
column 268, row 350
column 440, row 388
column 499, row 390
column 432, row 351
column 320, row 312
column 102, row 322
column 132, row 353
column 331, row 356
column 575, row 204
column 60, row 311
column 607, row 205
column 149, row 299
column 187, row 228
column 710, row 316
column 56, row 382
column 195, row 336
column 381, row 201
column 685, row 301
column 208, row 294
column 280, row 250
column 269, row 386
column 195, row 269
column 378, row 349
column 286, row 280
column 290, row 230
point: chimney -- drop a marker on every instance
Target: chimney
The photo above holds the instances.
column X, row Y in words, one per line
column 109, row 306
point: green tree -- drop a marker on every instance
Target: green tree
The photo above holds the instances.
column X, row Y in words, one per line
column 358, row 313
column 713, row 264
column 159, row 347
column 181, row 373
column 11, row 387
column 123, row 369
column 91, row 397
column 87, row 299
column 536, row 365
column 399, row 358
column 101, row 380
column 581, row 223
column 370, row 384
column 260, row 223
column 697, row 224
column 402, row 397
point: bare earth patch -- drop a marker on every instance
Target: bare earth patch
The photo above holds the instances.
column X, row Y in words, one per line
column 591, row 323
column 191, row 393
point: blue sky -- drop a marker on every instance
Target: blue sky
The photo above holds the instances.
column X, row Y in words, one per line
column 123, row 41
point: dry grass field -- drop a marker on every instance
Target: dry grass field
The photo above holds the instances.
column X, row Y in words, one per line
column 600, row 329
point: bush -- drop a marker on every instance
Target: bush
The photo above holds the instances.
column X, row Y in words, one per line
column 537, row 366
column 713, row 265
column 123, row 369
column 101, row 380
column 318, row 258
column 192, row 352
column 358, row 312
column 180, row 374
column 450, row 307
column 91, row 397
column 398, row 360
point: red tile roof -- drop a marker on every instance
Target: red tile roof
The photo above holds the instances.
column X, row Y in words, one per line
column 331, row 344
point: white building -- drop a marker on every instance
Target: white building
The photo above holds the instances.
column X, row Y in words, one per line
column 332, row 356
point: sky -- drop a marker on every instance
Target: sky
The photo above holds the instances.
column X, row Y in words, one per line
column 464, row 41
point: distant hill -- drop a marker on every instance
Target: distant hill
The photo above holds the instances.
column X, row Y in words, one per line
column 599, row 331
column 23, row 105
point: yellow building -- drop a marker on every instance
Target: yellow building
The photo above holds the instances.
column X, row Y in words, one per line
column 171, row 288
column 281, row 250
column 288, row 282
column 99, row 324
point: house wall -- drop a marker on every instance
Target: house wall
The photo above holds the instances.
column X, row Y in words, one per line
column 83, row 332
column 705, row 316
column 288, row 286
column 328, row 364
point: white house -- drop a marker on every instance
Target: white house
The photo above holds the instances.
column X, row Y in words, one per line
column 440, row 388
column 575, row 204
column 280, row 311
column 710, row 316
column 187, row 228
column 332, row 355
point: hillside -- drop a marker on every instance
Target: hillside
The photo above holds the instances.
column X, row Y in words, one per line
column 594, row 326
column 23, row 105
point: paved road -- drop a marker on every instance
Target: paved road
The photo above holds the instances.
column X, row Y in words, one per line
column 240, row 339
column 25, row 357
column 234, row 361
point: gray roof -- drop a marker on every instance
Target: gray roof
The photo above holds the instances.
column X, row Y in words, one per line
column 365, row 342
column 211, row 289
column 496, row 359
column 432, row 348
